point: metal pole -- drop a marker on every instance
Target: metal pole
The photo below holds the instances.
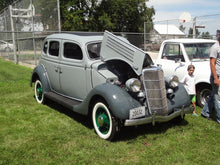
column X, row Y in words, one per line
column 13, row 35
column 144, row 37
column 58, row 12
column 194, row 27
column 32, row 19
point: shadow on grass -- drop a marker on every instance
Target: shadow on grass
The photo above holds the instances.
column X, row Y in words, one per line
column 126, row 133
column 85, row 120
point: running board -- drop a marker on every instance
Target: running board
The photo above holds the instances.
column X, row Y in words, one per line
column 66, row 102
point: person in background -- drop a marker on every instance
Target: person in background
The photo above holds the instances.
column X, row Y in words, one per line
column 214, row 100
column 189, row 83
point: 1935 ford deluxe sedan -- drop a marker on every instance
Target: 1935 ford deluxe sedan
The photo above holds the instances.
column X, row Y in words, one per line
column 109, row 79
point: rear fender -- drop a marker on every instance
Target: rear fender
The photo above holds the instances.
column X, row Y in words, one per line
column 39, row 72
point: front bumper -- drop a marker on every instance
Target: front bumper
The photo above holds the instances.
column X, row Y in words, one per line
column 154, row 118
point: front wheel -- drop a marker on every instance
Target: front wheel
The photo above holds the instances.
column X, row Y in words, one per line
column 104, row 124
column 38, row 91
column 203, row 94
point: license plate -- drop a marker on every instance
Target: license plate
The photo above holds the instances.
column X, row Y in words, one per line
column 137, row 112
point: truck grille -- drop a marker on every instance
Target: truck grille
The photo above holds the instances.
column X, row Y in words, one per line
column 153, row 80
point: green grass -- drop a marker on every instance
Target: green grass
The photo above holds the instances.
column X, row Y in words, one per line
column 31, row 133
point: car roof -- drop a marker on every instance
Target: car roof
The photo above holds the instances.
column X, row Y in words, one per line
column 191, row 40
column 79, row 37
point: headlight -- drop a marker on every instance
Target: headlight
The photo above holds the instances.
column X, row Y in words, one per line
column 173, row 81
column 133, row 85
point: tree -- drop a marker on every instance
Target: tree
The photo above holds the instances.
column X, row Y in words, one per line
column 182, row 28
column 190, row 35
column 5, row 3
column 206, row 35
column 112, row 15
column 78, row 15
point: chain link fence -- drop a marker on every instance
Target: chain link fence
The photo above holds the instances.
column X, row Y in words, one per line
column 26, row 23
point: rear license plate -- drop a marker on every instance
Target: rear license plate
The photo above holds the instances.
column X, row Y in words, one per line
column 137, row 112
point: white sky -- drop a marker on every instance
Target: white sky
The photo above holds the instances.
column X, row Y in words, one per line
column 172, row 9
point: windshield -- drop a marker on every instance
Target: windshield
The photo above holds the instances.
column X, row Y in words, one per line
column 198, row 51
column 94, row 50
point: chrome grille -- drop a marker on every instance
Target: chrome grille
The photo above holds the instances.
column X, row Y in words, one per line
column 153, row 80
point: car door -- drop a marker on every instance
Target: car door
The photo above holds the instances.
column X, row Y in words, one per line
column 50, row 59
column 73, row 70
column 173, row 60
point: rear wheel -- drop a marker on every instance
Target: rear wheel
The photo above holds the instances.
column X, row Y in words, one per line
column 104, row 123
column 38, row 91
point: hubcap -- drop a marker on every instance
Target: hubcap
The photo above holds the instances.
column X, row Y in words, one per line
column 39, row 92
column 102, row 120
column 205, row 96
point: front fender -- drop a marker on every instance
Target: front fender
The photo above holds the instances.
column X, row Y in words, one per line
column 180, row 99
column 39, row 72
column 118, row 100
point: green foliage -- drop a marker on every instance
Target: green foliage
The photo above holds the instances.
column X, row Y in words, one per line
column 5, row 3
column 31, row 133
column 112, row 15
column 206, row 35
column 190, row 34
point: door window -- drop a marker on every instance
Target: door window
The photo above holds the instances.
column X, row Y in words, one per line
column 72, row 51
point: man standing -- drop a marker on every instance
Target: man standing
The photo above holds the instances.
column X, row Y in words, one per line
column 214, row 99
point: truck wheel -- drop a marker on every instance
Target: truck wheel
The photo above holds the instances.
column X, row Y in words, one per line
column 104, row 123
column 38, row 91
column 203, row 94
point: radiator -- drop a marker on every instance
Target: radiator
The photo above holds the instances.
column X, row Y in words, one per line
column 154, row 85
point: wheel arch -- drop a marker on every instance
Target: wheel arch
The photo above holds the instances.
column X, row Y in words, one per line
column 40, row 73
column 203, row 84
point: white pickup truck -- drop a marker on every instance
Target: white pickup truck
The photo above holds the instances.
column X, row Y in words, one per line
column 176, row 54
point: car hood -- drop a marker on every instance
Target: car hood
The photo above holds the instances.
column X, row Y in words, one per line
column 116, row 48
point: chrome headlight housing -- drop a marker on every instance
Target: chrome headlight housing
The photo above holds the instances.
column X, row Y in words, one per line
column 173, row 81
column 133, row 84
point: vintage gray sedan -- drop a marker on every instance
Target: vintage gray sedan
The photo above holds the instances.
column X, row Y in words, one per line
column 109, row 79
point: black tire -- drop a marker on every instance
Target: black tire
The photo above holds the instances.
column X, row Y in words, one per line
column 105, row 125
column 203, row 94
column 38, row 92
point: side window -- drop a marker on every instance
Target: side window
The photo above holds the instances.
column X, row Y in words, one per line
column 72, row 51
column 54, row 48
column 94, row 50
column 172, row 52
column 45, row 47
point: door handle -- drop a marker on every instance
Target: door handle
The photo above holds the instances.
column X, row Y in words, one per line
column 56, row 69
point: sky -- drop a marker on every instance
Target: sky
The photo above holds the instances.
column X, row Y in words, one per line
column 172, row 9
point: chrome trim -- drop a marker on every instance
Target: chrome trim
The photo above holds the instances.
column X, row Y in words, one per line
column 154, row 118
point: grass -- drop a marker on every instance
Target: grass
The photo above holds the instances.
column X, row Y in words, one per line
column 31, row 133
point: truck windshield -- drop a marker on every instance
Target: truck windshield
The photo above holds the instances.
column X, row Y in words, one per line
column 198, row 51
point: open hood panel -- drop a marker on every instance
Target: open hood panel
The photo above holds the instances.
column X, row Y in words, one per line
column 116, row 48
